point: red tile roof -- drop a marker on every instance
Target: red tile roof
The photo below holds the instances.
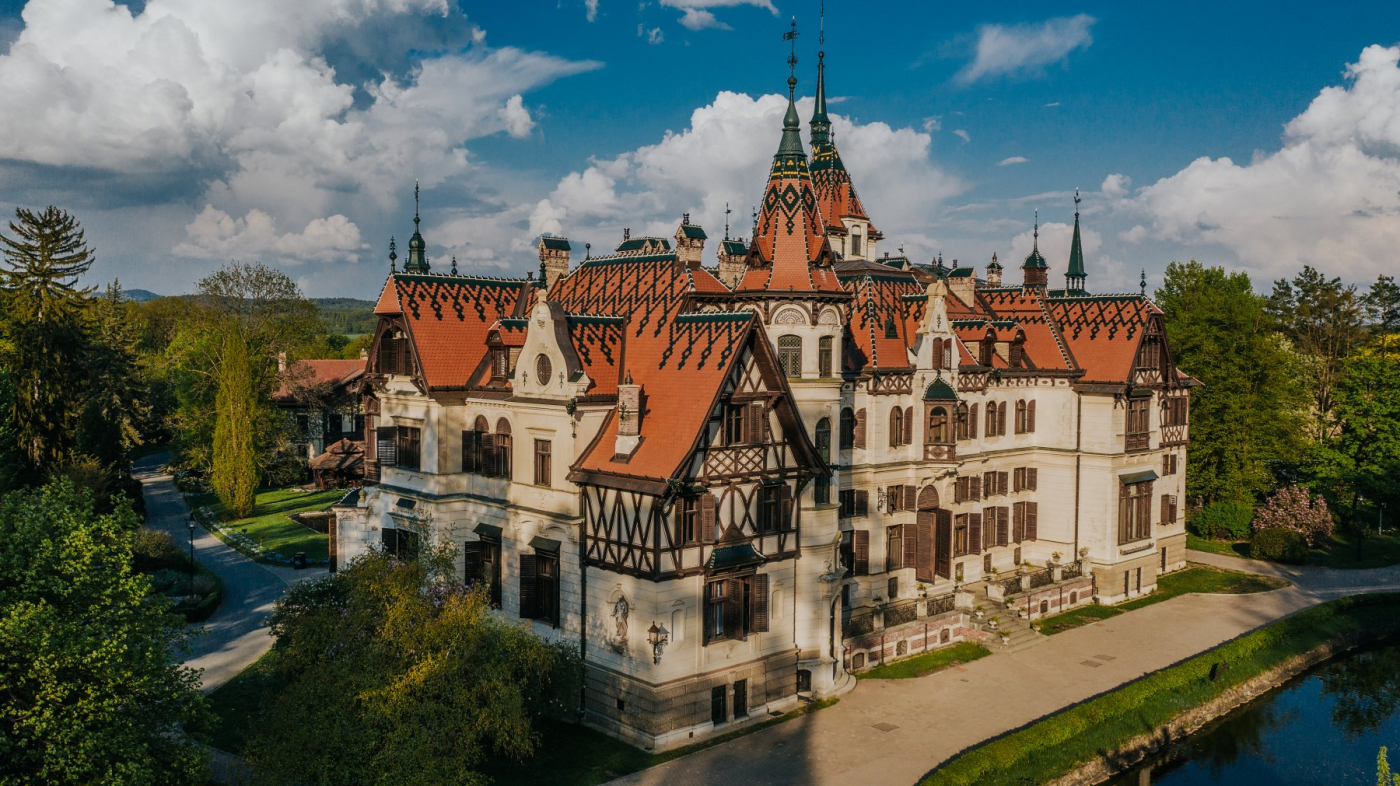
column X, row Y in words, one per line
column 1027, row 308
column 793, row 254
column 836, row 193
column 326, row 372
column 1103, row 332
column 449, row 317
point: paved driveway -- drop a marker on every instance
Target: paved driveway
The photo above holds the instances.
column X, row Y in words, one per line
column 237, row 634
column 890, row 732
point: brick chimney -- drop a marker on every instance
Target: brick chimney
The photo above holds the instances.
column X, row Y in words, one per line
column 690, row 242
column 629, row 417
column 554, row 258
column 732, row 254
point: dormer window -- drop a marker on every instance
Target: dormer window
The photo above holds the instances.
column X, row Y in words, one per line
column 500, row 364
column 855, row 243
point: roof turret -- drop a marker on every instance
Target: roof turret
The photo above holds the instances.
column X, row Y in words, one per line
column 1074, row 274
column 417, row 258
column 1035, row 260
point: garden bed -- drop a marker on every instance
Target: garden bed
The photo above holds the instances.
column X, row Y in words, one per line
column 193, row 590
column 271, row 533
column 1197, row 578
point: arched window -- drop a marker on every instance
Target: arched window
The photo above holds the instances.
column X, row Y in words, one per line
column 896, row 427
column 992, row 412
column 938, row 426
column 504, row 457
column 848, row 428
column 824, row 356
column 790, row 355
column 855, row 243
column 1021, row 416
column 823, row 439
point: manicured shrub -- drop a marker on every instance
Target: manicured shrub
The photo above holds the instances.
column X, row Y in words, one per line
column 1278, row 545
column 1299, row 510
column 153, row 550
column 1225, row 520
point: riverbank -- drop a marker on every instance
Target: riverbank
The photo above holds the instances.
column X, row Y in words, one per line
column 1107, row 734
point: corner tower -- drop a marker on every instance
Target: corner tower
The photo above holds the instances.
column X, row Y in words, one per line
column 848, row 226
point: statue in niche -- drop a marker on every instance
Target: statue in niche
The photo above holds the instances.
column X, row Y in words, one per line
column 620, row 612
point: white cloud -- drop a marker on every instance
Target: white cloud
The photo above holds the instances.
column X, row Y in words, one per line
column 1013, row 160
column 591, row 6
column 1052, row 104
column 723, row 156
column 932, row 124
column 961, row 134
column 215, row 234
column 1115, row 186
column 696, row 14
column 1009, row 49
column 1330, row 197
column 653, row 35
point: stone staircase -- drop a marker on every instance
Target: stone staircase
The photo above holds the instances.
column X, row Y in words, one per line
column 1019, row 636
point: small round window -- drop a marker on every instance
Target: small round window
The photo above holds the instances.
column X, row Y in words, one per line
column 543, row 369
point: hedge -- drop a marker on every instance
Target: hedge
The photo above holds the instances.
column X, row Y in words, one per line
column 1047, row 749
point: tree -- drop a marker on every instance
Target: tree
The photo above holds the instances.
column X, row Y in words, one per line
column 1382, row 304
column 1362, row 456
column 396, row 673
column 1245, row 418
column 235, row 470
column 1296, row 509
column 1383, row 775
column 91, row 694
column 1324, row 320
column 41, row 331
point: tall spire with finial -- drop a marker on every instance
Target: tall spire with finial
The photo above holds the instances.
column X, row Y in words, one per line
column 1075, row 275
column 1035, row 267
column 1142, row 283
column 821, row 124
column 792, row 124
column 727, row 211
column 393, row 256
column 417, row 258
column 454, row 264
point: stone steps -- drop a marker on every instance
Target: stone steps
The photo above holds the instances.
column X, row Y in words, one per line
column 1019, row 636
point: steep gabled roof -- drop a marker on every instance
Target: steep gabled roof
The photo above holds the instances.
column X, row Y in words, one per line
column 600, row 343
column 1026, row 307
column 1103, row 332
column 317, row 372
column 884, row 317
column 449, row 317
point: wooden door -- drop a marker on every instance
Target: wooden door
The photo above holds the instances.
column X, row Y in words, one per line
column 943, row 544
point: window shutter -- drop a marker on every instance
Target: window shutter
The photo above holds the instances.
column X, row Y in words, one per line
column 1172, row 510
column 943, row 545
column 488, row 454
column 908, row 425
column 860, row 540
column 1018, row 522
column 909, row 541
column 473, row 561
column 923, row 547
column 974, row 488
column 529, row 604
column 1030, row 416
column 1031, row 476
column 755, row 424
column 1018, row 478
column 972, row 421
column 911, row 497
column 989, row 482
column 859, row 440
column 759, row 613
column 1032, row 513
column 862, row 503
column 1001, row 420
column 974, row 533
column 1001, row 519
column 733, row 608
column 707, row 517
column 991, row 418
column 387, row 445
column 1002, row 479
column 786, row 523
column 896, row 426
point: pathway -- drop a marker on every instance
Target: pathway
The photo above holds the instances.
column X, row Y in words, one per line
column 237, row 634
column 896, row 731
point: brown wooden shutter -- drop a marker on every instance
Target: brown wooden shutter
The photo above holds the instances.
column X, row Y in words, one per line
column 1018, row 523
column 943, row 545
column 1166, row 500
column 974, row 488
column 1003, row 537
column 860, row 541
column 909, row 540
column 974, row 533
column 1018, row 478
column 529, row 604
column 911, row 497
column 473, row 561
column 908, row 425
column 733, row 608
column 1032, row 513
column 1030, row 416
column 958, row 490
column 972, row 421
column 989, row 482
column 786, row 522
column 923, row 546
column 1032, row 474
column 707, row 517
column 758, row 614
column 859, row 440
column 488, row 453
column 862, row 503
column 1001, row 420
column 754, row 433
column 386, row 440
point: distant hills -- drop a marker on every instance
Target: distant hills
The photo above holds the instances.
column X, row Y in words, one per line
column 345, row 315
column 140, row 295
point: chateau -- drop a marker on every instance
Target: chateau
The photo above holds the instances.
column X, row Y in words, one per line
column 735, row 486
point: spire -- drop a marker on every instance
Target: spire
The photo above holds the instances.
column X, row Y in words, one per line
column 792, row 124
column 393, row 255
column 727, row 211
column 821, row 124
column 454, row 264
column 1075, row 275
column 417, row 260
column 1142, row 283
column 1034, row 268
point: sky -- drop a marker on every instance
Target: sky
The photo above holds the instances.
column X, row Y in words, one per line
column 187, row 133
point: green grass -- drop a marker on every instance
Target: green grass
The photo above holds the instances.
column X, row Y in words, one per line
column 927, row 663
column 1376, row 552
column 1049, row 748
column 269, row 526
column 1225, row 548
column 1197, row 578
column 568, row 754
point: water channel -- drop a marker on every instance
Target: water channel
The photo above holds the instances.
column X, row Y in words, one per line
column 1324, row 727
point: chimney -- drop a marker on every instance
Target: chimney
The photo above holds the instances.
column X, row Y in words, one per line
column 627, row 233
column 554, row 258
column 629, row 417
column 364, row 354
column 732, row 254
column 994, row 272
column 281, row 362
column 690, row 243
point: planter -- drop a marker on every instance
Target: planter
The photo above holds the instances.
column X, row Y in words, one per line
column 995, row 591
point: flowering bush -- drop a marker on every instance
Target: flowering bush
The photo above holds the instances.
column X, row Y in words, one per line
column 1296, row 509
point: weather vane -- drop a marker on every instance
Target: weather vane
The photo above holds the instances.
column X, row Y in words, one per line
column 791, row 37
column 727, row 211
column 1076, row 201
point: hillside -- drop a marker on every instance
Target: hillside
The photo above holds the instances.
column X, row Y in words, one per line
column 345, row 315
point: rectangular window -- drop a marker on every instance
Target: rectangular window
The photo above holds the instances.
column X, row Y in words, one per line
column 894, row 547
column 409, row 440
column 482, row 563
column 960, row 534
column 539, row 587
column 734, row 422
column 824, row 356
column 1134, row 512
column 543, row 449
column 892, row 587
column 741, row 698
column 687, row 520
column 847, row 553
column 821, row 491
column 718, row 714
column 714, row 609
column 854, row 503
column 770, row 501
column 471, row 451
column 1136, row 437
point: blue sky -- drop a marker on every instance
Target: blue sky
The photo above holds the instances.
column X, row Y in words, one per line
column 185, row 133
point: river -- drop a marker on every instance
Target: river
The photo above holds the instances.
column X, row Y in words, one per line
column 1324, row 727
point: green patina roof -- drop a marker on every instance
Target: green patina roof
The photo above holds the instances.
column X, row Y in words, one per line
column 639, row 243
column 556, row 243
column 938, row 390
column 734, row 247
column 1076, row 252
column 733, row 557
column 693, row 231
column 821, row 124
column 962, row 272
column 791, row 144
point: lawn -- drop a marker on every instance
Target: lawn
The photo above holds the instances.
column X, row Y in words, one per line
column 1197, row 578
column 269, row 527
column 1225, row 548
column 927, row 663
column 568, row 754
column 1340, row 551
column 1047, row 749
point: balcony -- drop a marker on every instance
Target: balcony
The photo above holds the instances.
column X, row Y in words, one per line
column 741, row 460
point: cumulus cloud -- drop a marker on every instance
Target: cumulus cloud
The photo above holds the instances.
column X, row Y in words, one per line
column 1330, row 197
column 723, row 156
column 932, row 124
column 591, row 9
column 215, row 234
column 1115, row 186
column 696, row 14
column 239, row 97
column 962, row 134
column 1013, row 160
column 652, row 35
column 1003, row 50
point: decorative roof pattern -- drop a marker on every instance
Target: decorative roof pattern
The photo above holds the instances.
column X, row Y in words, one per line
column 598, row 342
column 449, row 318
column 1103, row 332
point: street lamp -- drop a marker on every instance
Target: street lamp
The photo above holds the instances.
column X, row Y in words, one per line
column 658, row 636
column 191, row 552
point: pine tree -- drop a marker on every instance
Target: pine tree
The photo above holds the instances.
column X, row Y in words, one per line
column 235, row 470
